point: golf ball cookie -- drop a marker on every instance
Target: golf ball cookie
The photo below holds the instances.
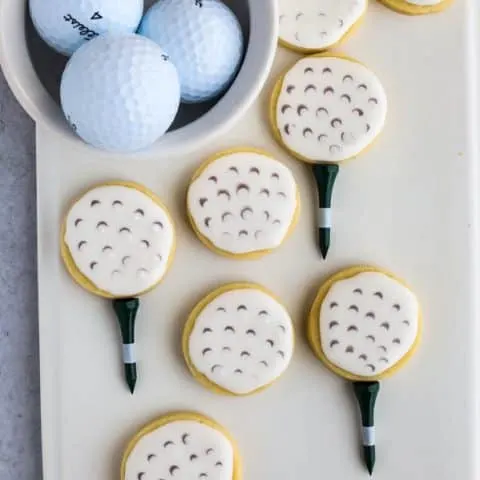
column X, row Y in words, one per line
column 417, row 7
column 238, row 340
column 327, row 108
column 120, row 93
column 118, row 240
column 314, row 25
column 364, row 323
column 204, row 40
column 243, row 203
column 186, row 445
column 65, row 25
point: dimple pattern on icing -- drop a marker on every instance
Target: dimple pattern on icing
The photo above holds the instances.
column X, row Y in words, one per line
column 242, row 341
column 318, row 24
column 243, row 202
column 368, row 323
column 185, row 450
column 120, row 239
column 329, row 109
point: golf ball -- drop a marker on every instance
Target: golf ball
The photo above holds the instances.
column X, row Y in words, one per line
column 120, row 92
column 204, row 41
column 67, row 24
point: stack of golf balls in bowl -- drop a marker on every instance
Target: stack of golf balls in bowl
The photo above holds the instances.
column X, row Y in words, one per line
column 130, row 72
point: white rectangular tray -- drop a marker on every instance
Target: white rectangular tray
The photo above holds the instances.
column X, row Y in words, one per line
column 408, row 205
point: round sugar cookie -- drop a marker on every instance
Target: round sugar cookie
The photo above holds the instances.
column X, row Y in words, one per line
column 238, row 340
column 315, row 25
column 417, row 7
column 243, row 203
column 364, row 323
column 118, row 240
column 327, row 108
column 184, row 445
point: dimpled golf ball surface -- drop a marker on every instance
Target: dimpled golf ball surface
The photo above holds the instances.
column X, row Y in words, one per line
column 204, row 41
column 120, row 92
column 67, row 24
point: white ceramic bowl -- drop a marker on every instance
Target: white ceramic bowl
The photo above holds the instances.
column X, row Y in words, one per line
column 22, row 78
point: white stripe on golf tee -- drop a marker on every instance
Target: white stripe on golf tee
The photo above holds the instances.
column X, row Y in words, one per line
column 368, row 436
column 129, row 353
column 324, row 218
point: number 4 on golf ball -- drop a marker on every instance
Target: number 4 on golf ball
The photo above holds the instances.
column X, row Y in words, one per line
column 65, row 25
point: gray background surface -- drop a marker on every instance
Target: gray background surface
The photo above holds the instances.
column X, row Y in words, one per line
column 20, row 452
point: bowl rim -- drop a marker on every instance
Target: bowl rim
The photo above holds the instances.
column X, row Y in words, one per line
column 40, row 106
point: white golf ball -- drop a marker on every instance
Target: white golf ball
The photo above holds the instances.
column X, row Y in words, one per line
column 120, row 92
column 204, row 41
column 67, row 24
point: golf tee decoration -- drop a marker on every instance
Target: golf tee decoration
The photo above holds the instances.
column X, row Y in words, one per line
column 324, row 110
column 366, row 395
column 364, row 325
column 325, row 176
column 117, row 242
column 126, row 311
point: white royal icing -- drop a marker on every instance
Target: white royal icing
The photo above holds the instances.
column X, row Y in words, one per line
column 186, row 450
column 330, row 109
column 120, row 239
column 318, row 24
column 368, row 323
column 424, row 2
column 242, row 340
column 243, row 202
